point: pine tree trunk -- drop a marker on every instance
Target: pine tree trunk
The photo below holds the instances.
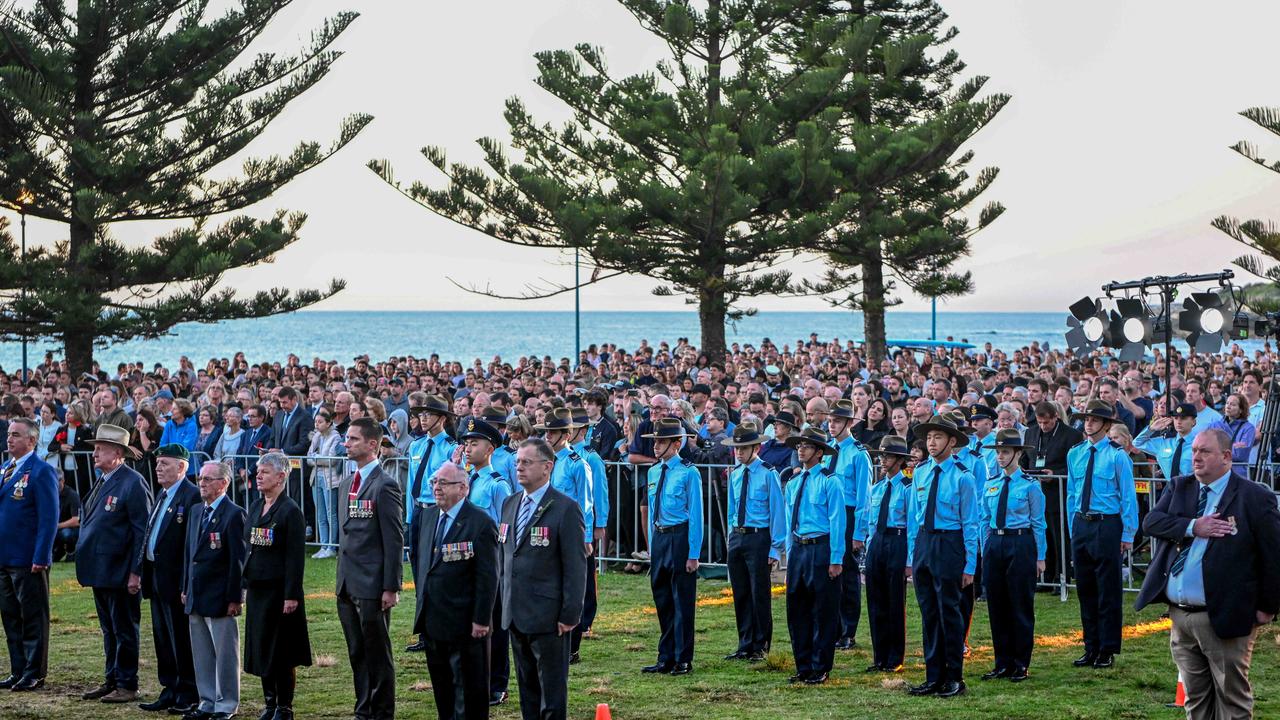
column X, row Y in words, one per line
column 711, row 312
column 873, row 305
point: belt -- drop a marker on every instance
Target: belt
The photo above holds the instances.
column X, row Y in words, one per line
column 1011, row 531
column 1094, row 517
column 1189, row 608
column 946, row 532
column 749, row 530
column 671, row 528
column 891, row 531
column 817, row 540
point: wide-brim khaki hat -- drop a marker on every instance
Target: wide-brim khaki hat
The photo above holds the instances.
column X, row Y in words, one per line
column 115, row 435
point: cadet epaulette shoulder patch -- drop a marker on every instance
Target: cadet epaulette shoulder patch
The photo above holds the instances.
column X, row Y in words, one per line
column 1114, row 444
column 686, row 463
column 574, row 456
column 827, row 471
column 962, row 466
column 495, row 474
column 975, row 452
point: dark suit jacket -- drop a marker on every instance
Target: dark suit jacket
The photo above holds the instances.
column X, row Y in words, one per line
column 1055, row 447
column 250, row 442
column 284, row 560
column 29, row 515
column 1241, row 571
column 211, row 576
column 543, row 585
column 113, row 526
column 295, row 438
column 454, row 593
column 162, row 579
column 370, row 549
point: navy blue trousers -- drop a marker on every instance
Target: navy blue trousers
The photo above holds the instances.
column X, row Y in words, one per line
column 813, row 607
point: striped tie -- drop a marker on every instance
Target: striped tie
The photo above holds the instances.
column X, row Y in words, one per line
column 522, row 522
column 1181, row 561
column 8, row 473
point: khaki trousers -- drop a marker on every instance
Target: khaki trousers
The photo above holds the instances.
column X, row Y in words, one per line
column 1215, row 671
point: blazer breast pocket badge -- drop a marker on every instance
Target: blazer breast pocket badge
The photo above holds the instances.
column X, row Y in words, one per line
column 540, row 536
column 502, row 532
column 360, row 509
column 215, row 540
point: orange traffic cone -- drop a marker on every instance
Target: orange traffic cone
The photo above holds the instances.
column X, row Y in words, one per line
column 1179, row 697
column 602, row 711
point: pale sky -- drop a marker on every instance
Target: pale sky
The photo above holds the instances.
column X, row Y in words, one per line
column 1114, row 153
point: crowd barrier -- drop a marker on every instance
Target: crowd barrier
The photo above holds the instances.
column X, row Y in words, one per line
column 626, row 538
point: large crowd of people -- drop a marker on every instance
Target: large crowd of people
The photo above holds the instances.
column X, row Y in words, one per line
column 969, row 471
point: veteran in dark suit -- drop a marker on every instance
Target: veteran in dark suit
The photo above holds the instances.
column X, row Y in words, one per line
column 113, row 527
column 214, row 561
column 275, row 623
column 457, row 584
column 370, row 545
column 161, row 581
column 1219, row 572
column 28, row 521
column 540, row 543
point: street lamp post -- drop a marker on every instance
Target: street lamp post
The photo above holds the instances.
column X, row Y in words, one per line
column 577, row 311
column 25, row 198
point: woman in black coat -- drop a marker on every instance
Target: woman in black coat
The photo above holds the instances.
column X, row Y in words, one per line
column 276, row 640
column 876, row 425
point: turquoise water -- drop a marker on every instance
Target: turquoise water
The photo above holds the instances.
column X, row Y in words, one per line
column 467, row 335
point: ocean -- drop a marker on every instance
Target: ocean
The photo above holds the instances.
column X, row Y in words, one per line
column 464, row 336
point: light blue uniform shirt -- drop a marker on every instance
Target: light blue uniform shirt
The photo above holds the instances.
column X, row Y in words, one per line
column 1187, row 587
column 986, row 448
column 681, row 499
column 488, row 490
column 764, row 503
column 569, row 476
column 1207, row 417
column 899, row 489
column 1025, row 508
column 504, row 461
column 1162, row 449
column 956, row 509
column 598, row 481
column 853, row 470
column 441, row 452
column 821, row 510
column 1113, row 489
column 976, row 463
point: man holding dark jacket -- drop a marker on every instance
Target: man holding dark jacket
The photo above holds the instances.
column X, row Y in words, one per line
column 540, row 542
column 161, row 581
column 1219, row 572
column 458, row 581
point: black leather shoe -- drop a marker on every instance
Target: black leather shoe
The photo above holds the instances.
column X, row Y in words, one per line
column 798, row 678
column 222, row 716
column 950, row 689
column 1105, row 660
column 892, row 668
column 498, row 698
column 927, row 688
column 268, row 713
column 739, row 655
column 873, row 669
column 8, row 682
column 682, row 669
column 1085, row 660
column 575, row 658
column 419, row 646
column 845, row 644
column 182, row 709
column 160, row 703
column 1019, row 675
column 28, row 684
column 756, row 656
column 997, row 674
column 197, row 714
column 283, row 713
column 99, row 692
column 660, row 667
column 817, row 679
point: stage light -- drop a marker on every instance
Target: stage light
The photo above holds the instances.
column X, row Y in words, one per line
column 1087, row 323
column 1204, row 318
column 1130, row 330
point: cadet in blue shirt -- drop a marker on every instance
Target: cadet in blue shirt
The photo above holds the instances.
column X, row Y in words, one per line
column 852, row 467
column 1171, row 449
column 1012, row 512
column 503, row 459
column 757, row 534
column 1103, row 507
column 488, row 491
column 815, row 557
column 599, row 484
column 569, row 475
column 942, row 552
column 982, row 419
column 426, row 455
column 886, row 564
column 675, row 542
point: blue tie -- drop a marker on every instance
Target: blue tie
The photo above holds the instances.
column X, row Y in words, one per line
column 526, row 513
column 1181, row 561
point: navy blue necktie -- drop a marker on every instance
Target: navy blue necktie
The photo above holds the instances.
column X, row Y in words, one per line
column 1180, row 561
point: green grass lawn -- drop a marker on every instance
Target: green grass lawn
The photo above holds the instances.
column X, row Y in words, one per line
column 626, row 639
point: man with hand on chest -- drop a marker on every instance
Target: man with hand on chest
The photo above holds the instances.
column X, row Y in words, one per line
column 211, row 592
column 161, row 581
column 459, row 580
